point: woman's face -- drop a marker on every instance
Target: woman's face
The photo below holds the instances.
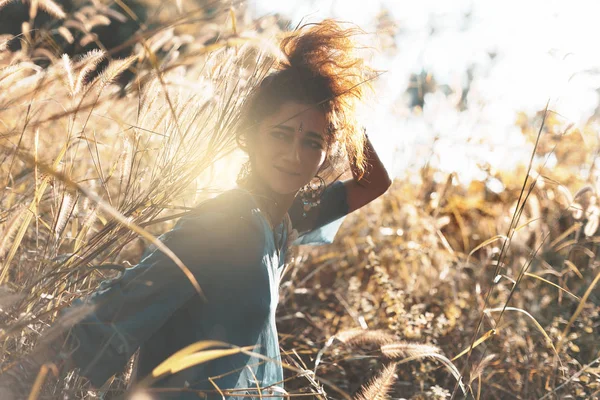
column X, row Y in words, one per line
column 290, row 147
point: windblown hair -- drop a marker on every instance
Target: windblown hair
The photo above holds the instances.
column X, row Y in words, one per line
column 319, row 68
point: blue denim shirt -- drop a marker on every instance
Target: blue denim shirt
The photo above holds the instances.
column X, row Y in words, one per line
column 230, row 248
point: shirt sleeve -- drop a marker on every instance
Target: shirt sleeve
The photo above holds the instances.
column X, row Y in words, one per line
column 129, row 309
column 322, row 222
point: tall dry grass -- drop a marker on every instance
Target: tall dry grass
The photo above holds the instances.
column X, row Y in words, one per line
column 504, row 282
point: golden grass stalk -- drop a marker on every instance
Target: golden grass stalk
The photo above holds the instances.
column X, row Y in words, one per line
column 380, row 386
column 120, row 218
column 593, row 216
column 577, row 210
column 88, row 38
column 40, row 379
column 26, row 31
column 482, row 339
column 33, row 7
column 478, row 370
column 196, row 353
column 69, row 73
column 193, row 354
column 532, row 318
column 565, row 194
column 52, row 8
column 39, row 191
column 66, row 34
column 552, row 284
column 504, row 238
column 413, row 351
column 4, row 3
column 10, row 228
column 573, row 268
column 577, row 311
column 126, row 160
column 405, row 349
column 90, row 61
column 116, row 68
column 582, row 191
column 98, row 20
column 358, row 337
column 64, row 212
column 573, row 228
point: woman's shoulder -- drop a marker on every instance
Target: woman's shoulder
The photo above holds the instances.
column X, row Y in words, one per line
column 228, row 214
column 222, row 227
column 229, row 205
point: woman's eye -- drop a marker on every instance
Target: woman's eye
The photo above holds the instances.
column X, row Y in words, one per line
column 314, row 145
column 279, row 135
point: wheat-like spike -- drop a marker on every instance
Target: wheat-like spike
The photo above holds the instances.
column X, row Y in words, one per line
column 379, row 387
column 565, row 194
column 90, row 60
column 52, row 8
column 90, row 218
column 87, row 39
column 414, row 351
column 357, row 337
column 114, row 14
column 126, row 157
column 74, row 24
column 63, row 214
column 593, row 215
column 453, row 370
column 478, row 370
column 33, row 7
column 81, row 17
column 159, row 40
column 577, row 211
column 405, row 349
column 69, row 70
column 41, row 52
column 85, row 205
column 583, row 190
column 10, row 70
column 66, row 34
column 11, row 227
column 4, row 3
column 98, row 20
column 26, row 30
column 116, row 68
column 89, row 11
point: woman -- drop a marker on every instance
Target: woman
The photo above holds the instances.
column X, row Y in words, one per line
column 294, row 125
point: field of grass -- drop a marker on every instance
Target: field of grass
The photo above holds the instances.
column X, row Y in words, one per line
column 494, row 282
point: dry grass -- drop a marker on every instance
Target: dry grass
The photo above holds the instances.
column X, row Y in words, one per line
column 452, row 286
column 401, row 268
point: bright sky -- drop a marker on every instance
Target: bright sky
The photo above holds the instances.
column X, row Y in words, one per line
column 545, row 50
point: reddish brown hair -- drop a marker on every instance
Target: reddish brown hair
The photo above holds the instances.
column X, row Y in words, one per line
column 321, row 69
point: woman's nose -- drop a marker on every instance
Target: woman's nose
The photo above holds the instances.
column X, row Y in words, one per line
column 292, row 154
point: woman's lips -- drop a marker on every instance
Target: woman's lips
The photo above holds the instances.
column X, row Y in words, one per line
column 286, row 172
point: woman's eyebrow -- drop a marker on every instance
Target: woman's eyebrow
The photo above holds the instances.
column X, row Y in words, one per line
column 315, row 135
column 284, row 127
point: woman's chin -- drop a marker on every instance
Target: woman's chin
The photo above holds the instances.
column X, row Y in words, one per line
column 285, row 188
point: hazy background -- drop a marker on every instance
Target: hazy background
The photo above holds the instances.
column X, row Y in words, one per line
column 494, row 58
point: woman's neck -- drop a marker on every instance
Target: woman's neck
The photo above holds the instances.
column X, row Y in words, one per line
column 275, row 205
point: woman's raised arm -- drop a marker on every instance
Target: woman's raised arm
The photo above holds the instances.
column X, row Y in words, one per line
column 339, row 199
column 373, row 183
